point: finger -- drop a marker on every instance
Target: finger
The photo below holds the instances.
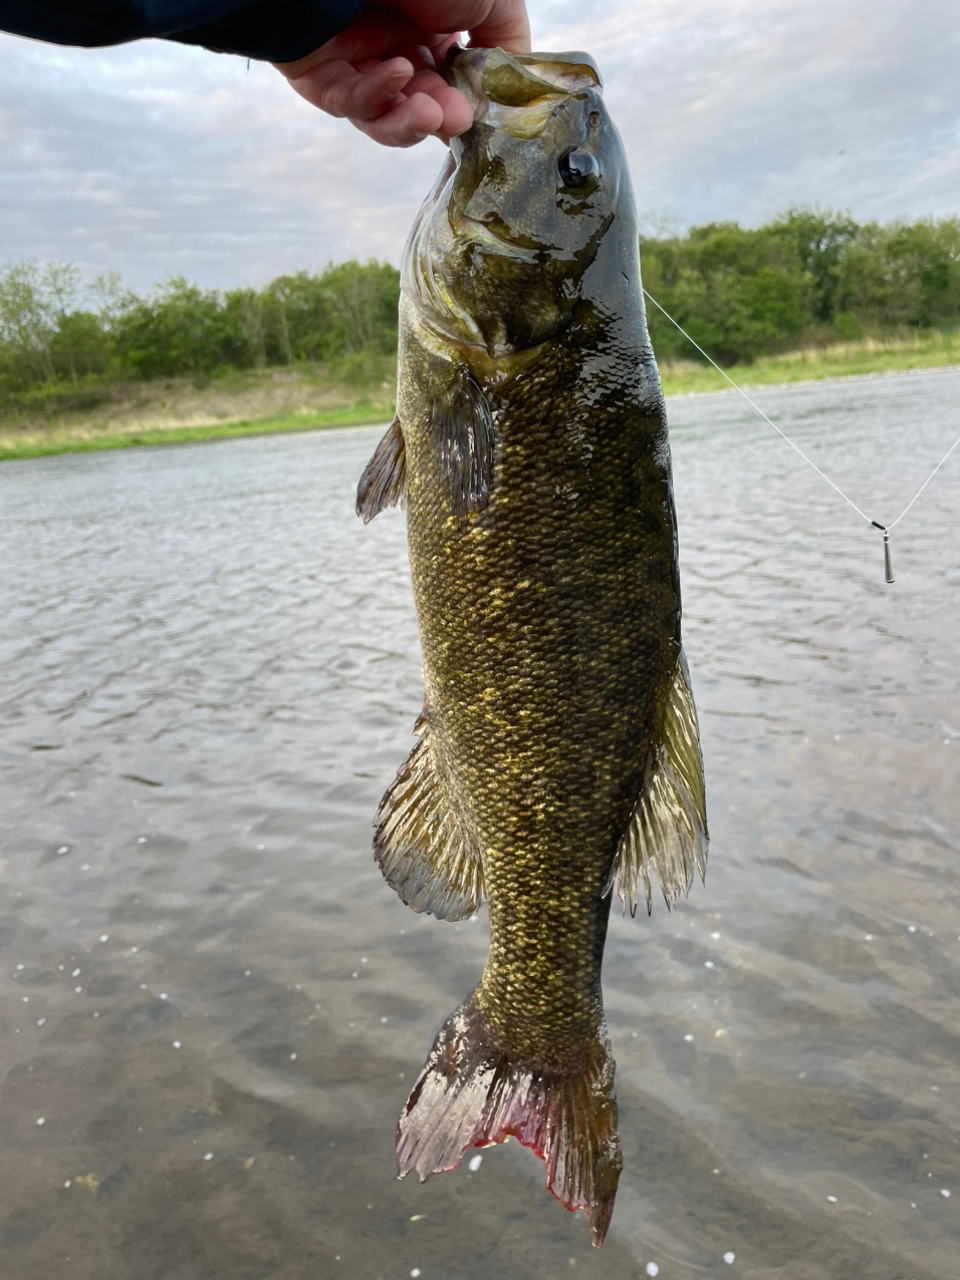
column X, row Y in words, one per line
column 457, row 111
column 408, row 122
column 373, row 34
column 423, row 57
column 342, row 90
column 505, row 27
column 490, row 22
column 443, row 47
column 420, row 56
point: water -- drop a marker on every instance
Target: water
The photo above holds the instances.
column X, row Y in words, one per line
column 211, row 674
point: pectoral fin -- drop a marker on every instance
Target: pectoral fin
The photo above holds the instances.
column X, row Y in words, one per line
column 384, row 480
column 424, row 850
column 464, row 440
column 668, row 828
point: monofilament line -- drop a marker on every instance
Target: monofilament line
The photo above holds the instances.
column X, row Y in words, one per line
column 760, row 411
column 795, row 446
column 925, row 483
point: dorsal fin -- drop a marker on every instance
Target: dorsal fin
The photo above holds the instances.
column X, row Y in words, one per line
column 668, row 827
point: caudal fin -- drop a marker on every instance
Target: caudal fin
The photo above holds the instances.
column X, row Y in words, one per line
column 470, row 1095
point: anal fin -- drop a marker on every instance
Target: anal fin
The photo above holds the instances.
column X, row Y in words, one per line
column 668, row 827
column 423, row 849
column 384, row 479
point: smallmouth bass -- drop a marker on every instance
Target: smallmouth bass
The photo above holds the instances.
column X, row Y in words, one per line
column 558, row 758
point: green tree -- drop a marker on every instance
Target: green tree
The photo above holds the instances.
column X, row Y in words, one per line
column 81, row 347
column 247, row 313
column 822, row 242
column 182, row 329
column 807, row 275
column 737, row 292
column 923, row 267
column 27, row 321
column 361, row 306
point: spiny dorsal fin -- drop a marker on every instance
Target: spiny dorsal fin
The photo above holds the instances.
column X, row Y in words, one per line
column 464, row 439
column 668, row 828
column 384, row 480
column 424, row 851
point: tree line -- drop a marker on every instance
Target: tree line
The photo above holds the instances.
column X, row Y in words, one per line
column 806, row 277
column 54, row 329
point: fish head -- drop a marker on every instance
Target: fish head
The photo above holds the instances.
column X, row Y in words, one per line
column 497, row 256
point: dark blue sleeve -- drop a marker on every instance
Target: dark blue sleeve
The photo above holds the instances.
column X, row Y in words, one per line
column 271, row 30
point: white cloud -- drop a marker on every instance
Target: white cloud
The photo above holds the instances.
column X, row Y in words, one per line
column 737, row 110
column 157, row 158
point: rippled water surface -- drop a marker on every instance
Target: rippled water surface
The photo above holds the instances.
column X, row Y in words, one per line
column 216, row 1007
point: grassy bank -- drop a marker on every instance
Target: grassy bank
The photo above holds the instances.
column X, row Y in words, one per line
column 929, row 350
column 42, row 444
column 259, row 402
column 178, row 410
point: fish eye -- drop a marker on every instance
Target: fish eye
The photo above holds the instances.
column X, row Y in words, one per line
column 579, row 170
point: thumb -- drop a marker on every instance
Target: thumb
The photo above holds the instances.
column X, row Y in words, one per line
column 505, row 27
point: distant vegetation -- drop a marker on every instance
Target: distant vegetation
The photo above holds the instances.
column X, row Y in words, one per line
column 62, row 342
column 805, row 280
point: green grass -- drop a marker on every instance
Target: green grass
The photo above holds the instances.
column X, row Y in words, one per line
column 871, row 356
column 42, row 443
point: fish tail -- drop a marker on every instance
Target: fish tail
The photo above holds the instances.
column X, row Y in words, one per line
column 470, row 1094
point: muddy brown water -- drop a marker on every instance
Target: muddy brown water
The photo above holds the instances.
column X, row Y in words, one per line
column 215, row 1006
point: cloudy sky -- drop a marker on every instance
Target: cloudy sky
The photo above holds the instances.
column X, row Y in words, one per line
column 159, row 159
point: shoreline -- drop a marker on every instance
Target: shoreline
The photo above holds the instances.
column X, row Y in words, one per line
column 38, row 442
column 89, row 440
column 864, row 376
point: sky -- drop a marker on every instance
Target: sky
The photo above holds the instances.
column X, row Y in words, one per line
column 157, row 159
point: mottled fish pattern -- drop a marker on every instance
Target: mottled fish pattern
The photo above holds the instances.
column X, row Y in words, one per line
column 558, row 762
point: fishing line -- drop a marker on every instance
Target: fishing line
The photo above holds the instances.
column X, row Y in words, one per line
column 884, row 528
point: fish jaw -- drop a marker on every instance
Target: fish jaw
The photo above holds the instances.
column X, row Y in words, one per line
column 498, row 253
column 516, row 91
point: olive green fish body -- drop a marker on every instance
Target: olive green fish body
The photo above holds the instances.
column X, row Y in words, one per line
column 550, row 632
column 558, row 753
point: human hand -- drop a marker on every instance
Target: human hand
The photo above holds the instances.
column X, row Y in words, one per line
column 384, row 72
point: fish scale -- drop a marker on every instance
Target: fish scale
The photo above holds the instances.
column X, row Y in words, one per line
column 569, row 654
column 558, row 754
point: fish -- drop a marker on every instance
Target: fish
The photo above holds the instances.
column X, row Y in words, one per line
column 557, row 760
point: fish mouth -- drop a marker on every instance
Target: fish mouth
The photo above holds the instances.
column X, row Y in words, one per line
column 479, row 263
column 514, row 94
column 518, row 92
